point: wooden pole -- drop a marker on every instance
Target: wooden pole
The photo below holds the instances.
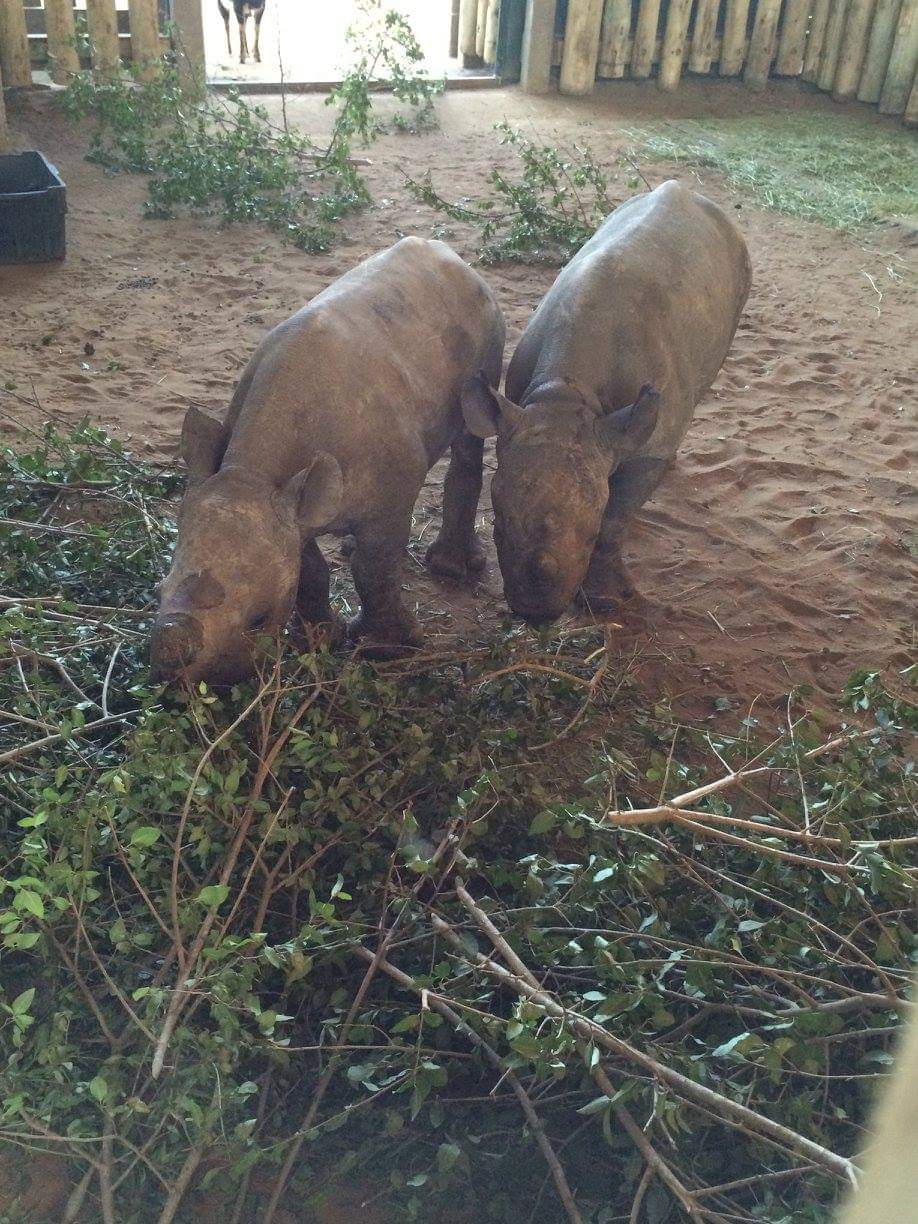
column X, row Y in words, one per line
column 853, row 49
column 703, row 35
column 793, row 37
column 145, row 48
column 911, row 111
column 538, row 45
column 831, row 48
column 645, row 38
column 491, row 28
column 762, row 44
column 613, row 42
column 581, row 46
column 4, row 128
column 468, row 24
column 14, row 45
column 454, row 30
column 672, row 56
column 733, row 47
column 879, row 49
column 189, row 43
column 60, row 28
column 815, row 40
column 103, row 36
column 481, row 27
column 903, row 62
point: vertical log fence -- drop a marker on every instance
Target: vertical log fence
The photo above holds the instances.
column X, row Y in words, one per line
column 52, row 36
column 864, row 49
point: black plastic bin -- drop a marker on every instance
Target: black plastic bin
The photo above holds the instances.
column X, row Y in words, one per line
column 33, row 203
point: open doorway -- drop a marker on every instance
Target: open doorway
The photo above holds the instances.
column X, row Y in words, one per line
column 302, row 42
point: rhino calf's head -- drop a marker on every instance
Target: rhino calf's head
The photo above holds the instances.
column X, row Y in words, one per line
column 236, row 565
column 551, row 487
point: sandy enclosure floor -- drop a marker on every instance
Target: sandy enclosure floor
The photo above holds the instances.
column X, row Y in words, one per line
column 781, row 549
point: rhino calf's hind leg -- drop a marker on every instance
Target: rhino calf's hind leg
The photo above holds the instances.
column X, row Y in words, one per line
column 456, row 552
column 384, row 624
column 608, row 583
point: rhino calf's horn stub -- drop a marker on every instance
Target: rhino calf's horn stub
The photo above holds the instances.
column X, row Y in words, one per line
column 176, row 642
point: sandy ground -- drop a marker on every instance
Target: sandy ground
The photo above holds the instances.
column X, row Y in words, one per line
column 781, row 549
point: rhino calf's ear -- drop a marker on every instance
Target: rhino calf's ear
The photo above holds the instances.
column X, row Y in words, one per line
column 625, row 430
column 486, row 411
column 315, row 494
column 204, row 441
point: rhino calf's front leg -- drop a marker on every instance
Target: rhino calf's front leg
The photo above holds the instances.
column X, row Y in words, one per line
column 608, row 583
column 312, row 596
column 456, row 552
column 384, row 625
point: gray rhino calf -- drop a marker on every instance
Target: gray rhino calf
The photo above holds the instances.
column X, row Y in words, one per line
column 602, row 388
column 334, row 425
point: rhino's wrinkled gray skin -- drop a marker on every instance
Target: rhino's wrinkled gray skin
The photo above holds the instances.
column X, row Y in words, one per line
column 335, row 423
column 602, row 388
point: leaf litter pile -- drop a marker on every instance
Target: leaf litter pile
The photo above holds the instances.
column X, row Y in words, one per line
column 486, row 933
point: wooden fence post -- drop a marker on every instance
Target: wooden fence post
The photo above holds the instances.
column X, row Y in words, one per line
column 613, row 42
column 103, row 36
column 186, row 14
column 703, row 35
column 145, row 49
column 831, row 48
column 4, row 130
column 491, row 28
column 853, row 49
column 468, row 25
column 815, row 40
column 538, row 44
column 911, row 111
column 645, row 38
column 762, row 44
column 673, row 54
column 60, row 28
column 454, row 29
column 882, row 34
column 14, row 45
column 481, row 27
column 581, row 46
column 733, row 47
column 793, row 37
column 903, row 61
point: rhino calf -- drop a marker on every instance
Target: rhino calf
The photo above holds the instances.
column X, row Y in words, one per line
column 335, row 423
column 600, row 392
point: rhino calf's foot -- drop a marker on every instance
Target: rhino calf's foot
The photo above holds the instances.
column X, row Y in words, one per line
column 458, row 562
column 607, row 585
column 385, row 638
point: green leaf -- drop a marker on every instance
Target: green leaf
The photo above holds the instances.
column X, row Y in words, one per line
column 543, row 822
column 213, row 895
column 447, row 1155
column 98, row 1088
column 23, row 1002
column 30, row 901
column 146, row 835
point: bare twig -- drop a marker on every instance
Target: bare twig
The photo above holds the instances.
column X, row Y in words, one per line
column 663, row 811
